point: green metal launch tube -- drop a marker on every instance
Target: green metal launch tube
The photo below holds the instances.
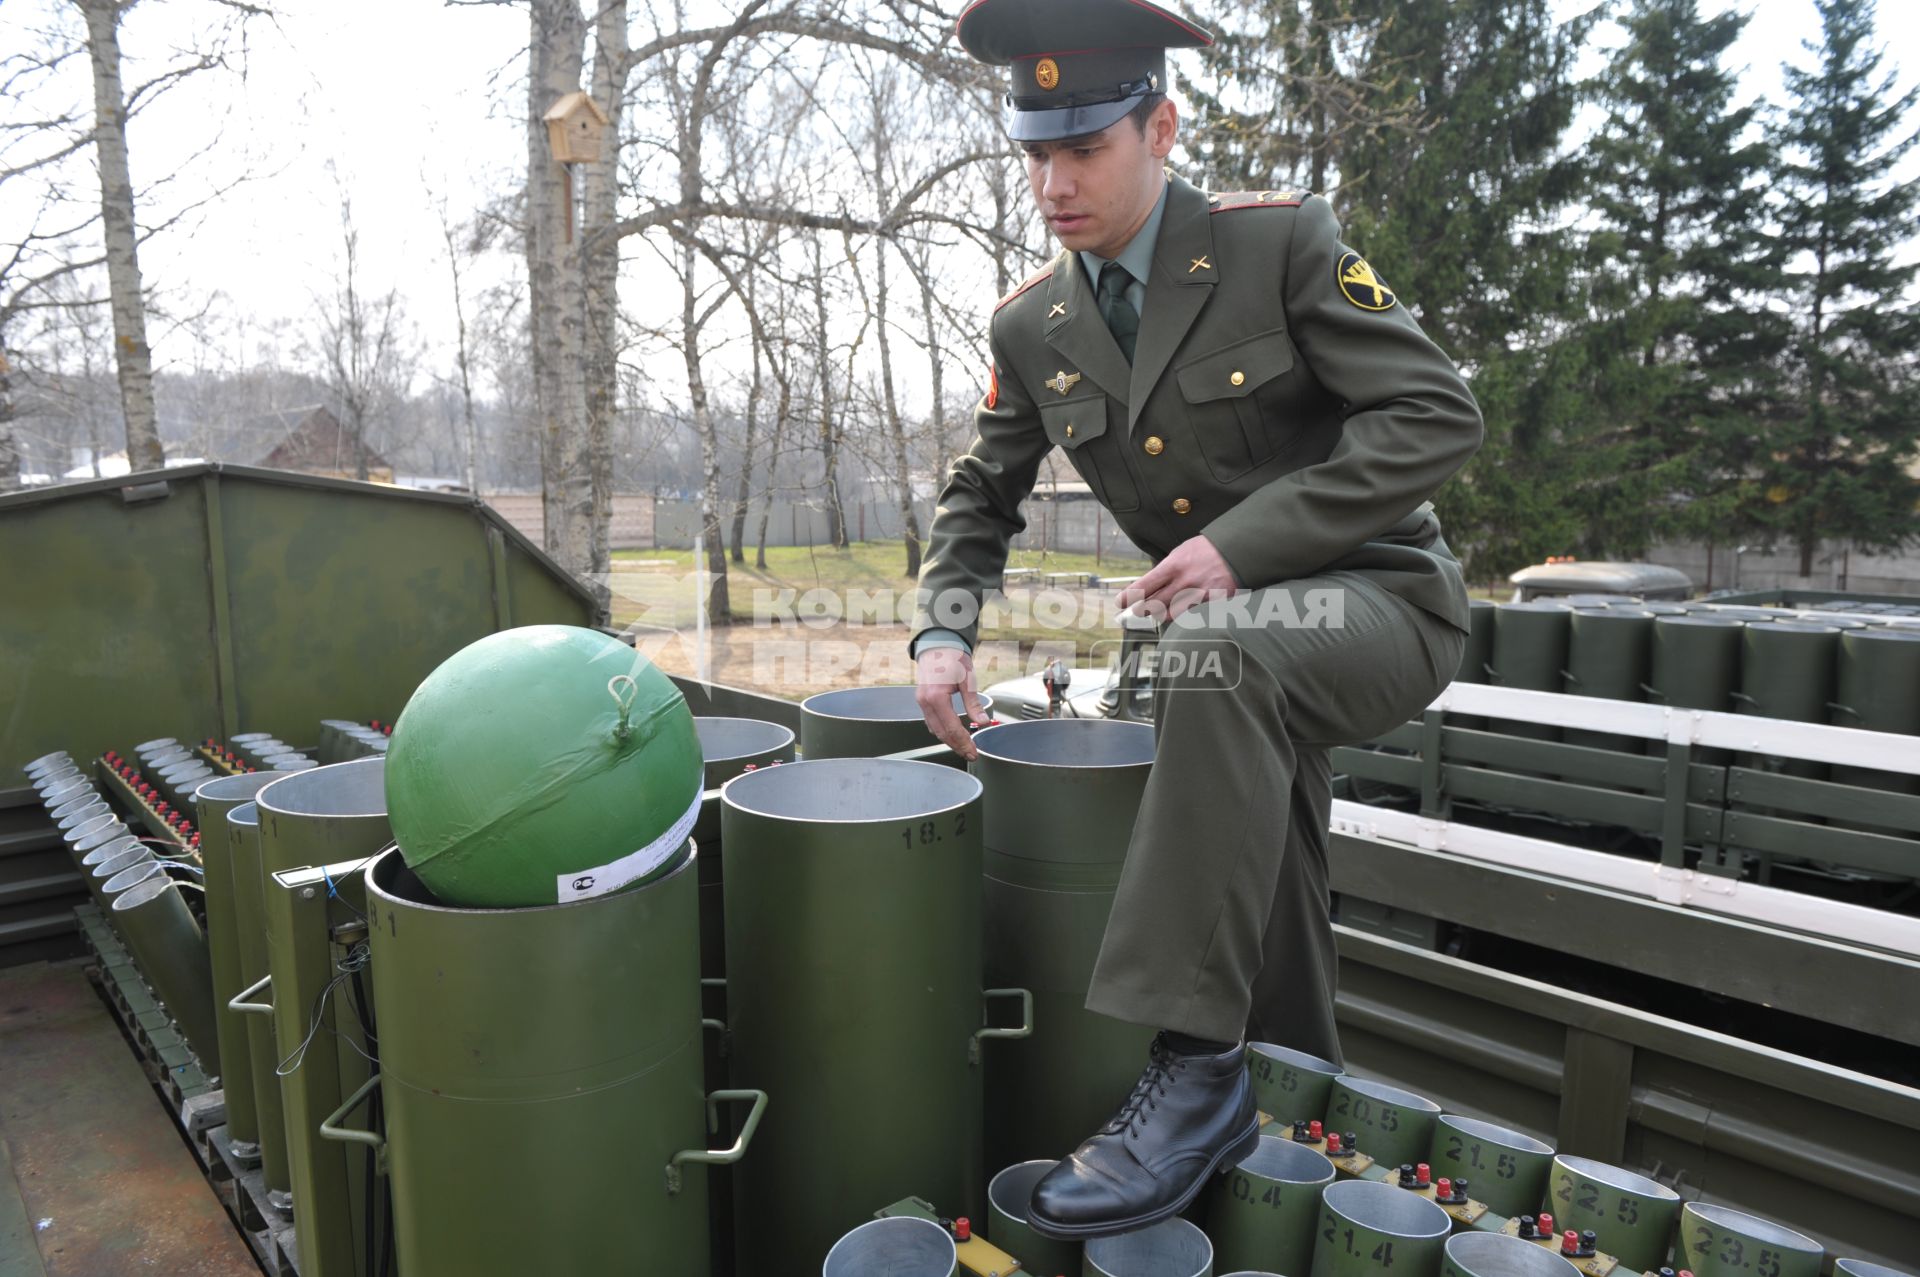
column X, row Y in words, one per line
column 853, row 987
column 865, row 722
column 1787, row 672
column 1174, row 1248
column 540, row 1069
column 1530, row 652
column 1609, row 651
column 172, row 954
column 1632, row 1216
column 1695, row 665
column 1264, row 1211
column 1290, row 1086
column 1394, row 1126
column 1505, row 1170
column 1370, row 1228
column 1059, row 797
column 1717, row 1241
column 1878, row 689
column 898, row 1247
column 212, row 801
column 731, row 747
column 1007, row 1196
column 255, row 999
column 1497, row 1255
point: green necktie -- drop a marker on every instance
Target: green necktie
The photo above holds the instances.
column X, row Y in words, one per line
column 1122, row 322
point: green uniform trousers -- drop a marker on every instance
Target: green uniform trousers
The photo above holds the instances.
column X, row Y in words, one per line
column 1220, row 926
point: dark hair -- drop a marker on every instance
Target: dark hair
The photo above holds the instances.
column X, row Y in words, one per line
column 1143, row 110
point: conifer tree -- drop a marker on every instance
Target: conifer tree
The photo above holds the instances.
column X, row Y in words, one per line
column 1836, row 459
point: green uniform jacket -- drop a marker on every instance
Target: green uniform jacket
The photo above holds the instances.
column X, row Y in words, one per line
column 1280, row 400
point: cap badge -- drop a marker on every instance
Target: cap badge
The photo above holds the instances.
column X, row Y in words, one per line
column 1047, row 74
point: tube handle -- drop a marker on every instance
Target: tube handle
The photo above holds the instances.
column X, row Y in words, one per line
column 1026, row 1021
column 239, row 1001
column 330, row 1129
column 720, row 1156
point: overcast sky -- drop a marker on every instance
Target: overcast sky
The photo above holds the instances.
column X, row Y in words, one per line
column 402, row 100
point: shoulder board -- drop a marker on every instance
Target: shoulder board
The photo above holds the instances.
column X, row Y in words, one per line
column 1035, row 279
column 1254, row 199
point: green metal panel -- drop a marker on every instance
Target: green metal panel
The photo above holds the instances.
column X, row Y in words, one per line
column 874, row 1065
column 329, row 816
column 1609, row 651
column 1877, row 687
column 1008, row 1194
column 1478, row 656
column 1060, row 798
column 197, row 599
column 866, row 722
column 540, row 1069
column 1264, row 1210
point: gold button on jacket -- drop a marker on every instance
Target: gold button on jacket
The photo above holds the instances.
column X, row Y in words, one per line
column 1313, row 423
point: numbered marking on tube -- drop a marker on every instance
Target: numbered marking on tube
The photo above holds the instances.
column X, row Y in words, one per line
column 931, row 833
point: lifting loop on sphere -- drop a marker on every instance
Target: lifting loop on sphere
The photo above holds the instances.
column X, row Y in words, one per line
column 624, row 692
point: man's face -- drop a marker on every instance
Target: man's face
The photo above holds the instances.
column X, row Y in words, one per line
column 1097, row 191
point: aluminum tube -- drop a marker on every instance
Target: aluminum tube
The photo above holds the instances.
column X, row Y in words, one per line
column 1008, row 1195
column 172, row 953
column 1503, row 1169
column 1175, row 1248
column 1374, row 1229
column 1266, row 1209
column 1632, row 1215
column 900, row 1247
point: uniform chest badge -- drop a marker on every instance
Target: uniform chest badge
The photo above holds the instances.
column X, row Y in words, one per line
column 1062, row 382
column 1359, row 285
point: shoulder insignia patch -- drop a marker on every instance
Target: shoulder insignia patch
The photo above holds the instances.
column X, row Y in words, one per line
column 1232, row 200
column 993, row 386
column 1041, row 277
column 1359, row 285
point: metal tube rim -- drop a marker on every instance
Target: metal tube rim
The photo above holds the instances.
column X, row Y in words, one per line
column 1498, row 1255
column 809, row 705
column 1018, row 1178
column 1386, row 1093
column 1193, row 1250
column 946, row 775
column 1298, row 1059
column 239, row 789
column 1503, row 1136
column 1384, row 1208
column 901, row 1231
column 985, row 739
column 1279, row 1160
column 787, row 736
column 301, row 781
column 376, row 864
column 1619, row 1178
column 1754, row 1228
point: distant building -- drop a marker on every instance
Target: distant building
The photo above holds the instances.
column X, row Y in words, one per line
column 316, row 443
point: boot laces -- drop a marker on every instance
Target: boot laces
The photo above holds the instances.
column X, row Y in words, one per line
column 1163, row 1064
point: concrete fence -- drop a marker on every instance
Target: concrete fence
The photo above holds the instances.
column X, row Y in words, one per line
column 1835, row 567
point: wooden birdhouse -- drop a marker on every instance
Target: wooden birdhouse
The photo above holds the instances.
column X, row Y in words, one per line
column 574, row 127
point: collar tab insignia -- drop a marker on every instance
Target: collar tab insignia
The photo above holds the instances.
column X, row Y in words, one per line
column 1059, row 308
column 1200, row 263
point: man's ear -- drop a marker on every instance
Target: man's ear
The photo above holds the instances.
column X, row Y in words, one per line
column 1163, row 129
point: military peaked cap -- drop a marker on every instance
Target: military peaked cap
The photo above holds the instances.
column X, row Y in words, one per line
column 1062, row 87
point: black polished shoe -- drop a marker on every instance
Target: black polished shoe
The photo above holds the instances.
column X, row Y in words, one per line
column 1188, row 1117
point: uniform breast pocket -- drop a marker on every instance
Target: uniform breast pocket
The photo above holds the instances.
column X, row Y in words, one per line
column 1233, row 429
column 1078, row 426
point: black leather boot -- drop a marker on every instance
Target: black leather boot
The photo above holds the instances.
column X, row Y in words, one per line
column 1188, row 1117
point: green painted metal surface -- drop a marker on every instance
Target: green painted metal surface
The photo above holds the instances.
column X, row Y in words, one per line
column 1476, row 660
column 873, row 1064
column 1787, row 672
column 1265, row 1211
column 198, row 599
column 1609, row 655
column 1530, row 652
column 1373, row 1228
column 329, row 816
column 1717, row 1241
column 1059, row 799
column 263, row 1054
column 1174, row 1248
column 1480, row 1254
column 1877, row 687
column 540, row 1068
column 1290, row 1086
column 172, row 953
column 540, row 762
column 1505, row 1169
column 212, row 801
column 1394, row 1125
column 1632, row 1216
column 896, row 1247
column 730, row 747
column 1007, row 1196
column 866, row 722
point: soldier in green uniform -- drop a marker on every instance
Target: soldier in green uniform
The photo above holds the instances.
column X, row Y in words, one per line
column 1263, row 417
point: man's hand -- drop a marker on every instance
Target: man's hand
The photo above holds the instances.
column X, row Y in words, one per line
column 938, row 674
column 1193, row 573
